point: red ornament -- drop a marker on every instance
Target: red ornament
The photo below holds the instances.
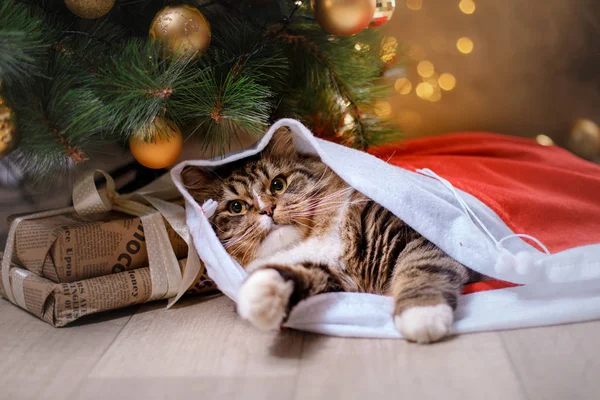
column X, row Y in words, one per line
column 384, row 9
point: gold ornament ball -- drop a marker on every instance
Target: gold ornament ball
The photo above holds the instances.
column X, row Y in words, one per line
column 343, row 17
column 182, row 30
column 164, row 147
column 90, row 9
column 584, row 139
column 384, row 9
column 8, row 129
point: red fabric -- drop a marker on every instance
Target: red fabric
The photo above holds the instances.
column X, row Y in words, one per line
column 545, row 192
column 487, row 285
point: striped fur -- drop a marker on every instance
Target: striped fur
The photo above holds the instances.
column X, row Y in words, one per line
column 323, row 236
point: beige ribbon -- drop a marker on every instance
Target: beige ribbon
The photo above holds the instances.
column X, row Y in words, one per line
column 165, row 273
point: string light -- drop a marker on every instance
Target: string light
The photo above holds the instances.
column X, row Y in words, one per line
column 414, row 5
column 389, row 45
column 403, row 86
column 447, row 81
column 425, row 68
column 467, row 6
column 464, row 45
column 544, row 140
column 348, row 119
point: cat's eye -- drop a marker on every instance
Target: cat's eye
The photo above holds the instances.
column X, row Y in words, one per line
column 237, row 207
column 278, row 185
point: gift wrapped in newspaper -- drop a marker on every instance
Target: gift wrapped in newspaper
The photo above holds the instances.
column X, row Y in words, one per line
column 108, row 251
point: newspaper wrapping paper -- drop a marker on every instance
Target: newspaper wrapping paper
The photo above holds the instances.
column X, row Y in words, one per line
column 166, row 278
column 60, row 304
column 70, row 247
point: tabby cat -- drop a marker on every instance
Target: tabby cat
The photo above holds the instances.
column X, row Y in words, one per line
column 300, row 230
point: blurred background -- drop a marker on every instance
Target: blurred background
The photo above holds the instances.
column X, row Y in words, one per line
column 523, row 68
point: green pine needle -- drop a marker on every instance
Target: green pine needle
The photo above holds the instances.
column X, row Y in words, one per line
column 23, row 43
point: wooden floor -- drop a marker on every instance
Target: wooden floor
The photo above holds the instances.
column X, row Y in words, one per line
column 201, row 350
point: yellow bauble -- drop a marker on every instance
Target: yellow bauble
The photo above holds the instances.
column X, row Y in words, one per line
column 384, row 9
column 162, row 149
column 8, row 129
column 343, row 17
column 584, row 139
column 181, row 29
column 90, row 9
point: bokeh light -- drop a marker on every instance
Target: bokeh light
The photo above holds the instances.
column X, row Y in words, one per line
column 447, row 81
column 383, row 108
column 414, row 5
column 436, row 95
column 544, row 140
column 467, row 6
column 433, row 80
column 424, row 90
column 425, row 68
column 464, row 45
column 403, row 86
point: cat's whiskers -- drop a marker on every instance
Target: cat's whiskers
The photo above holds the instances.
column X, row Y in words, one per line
column 296, row 221
column 323, row 201
column 322, row 209
column 234, row 240
column 312, row 187
column 252, row 245
column 331, row 195
column 215, row 225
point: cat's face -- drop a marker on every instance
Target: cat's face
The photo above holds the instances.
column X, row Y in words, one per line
column 265, row 203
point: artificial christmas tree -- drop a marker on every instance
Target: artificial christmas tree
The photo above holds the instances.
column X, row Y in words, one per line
column 81, row 74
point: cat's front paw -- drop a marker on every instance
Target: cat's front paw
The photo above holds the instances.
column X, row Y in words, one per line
column 263, row 299
column 425, row 324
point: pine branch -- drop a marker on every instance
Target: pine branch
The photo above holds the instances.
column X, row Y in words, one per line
column 79, row 84
column 136, row 86
column 235, row 93
column 60, row 121
column 23, row 43
column 222, row 109
column 335, row 64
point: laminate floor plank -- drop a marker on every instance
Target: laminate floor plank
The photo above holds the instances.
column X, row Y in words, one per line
column 465, row 367
column 199, row 346
column 39, row 362
column 557, row 362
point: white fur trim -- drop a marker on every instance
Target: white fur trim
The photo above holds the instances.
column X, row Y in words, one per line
column 432, row 210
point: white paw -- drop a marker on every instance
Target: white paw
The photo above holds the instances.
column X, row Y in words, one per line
column 263, row 299
column 425, row 324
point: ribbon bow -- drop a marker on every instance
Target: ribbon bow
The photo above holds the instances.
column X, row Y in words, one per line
column 165, row 272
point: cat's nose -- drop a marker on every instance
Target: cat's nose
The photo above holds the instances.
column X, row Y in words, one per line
column 267, row 210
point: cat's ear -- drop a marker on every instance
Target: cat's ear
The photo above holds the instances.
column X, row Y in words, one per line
column 202, row 184
column 281, row 144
